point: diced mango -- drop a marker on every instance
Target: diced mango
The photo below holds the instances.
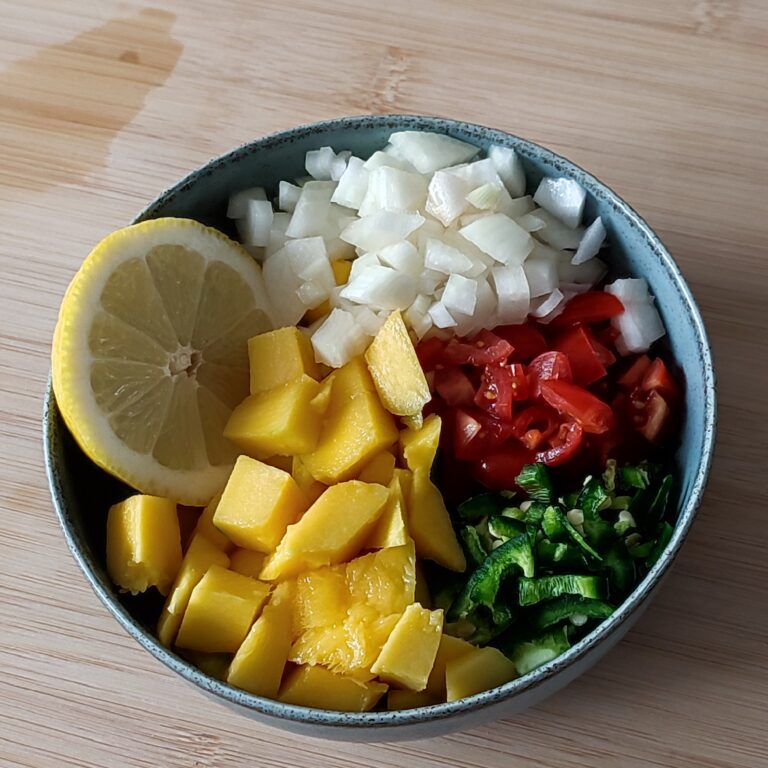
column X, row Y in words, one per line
column 430, row 524
column 419, row 446
column 213, row 664
column 405, row 478
column 397, row 700
column 221, row 610
column 279, row 421
column 318, row 687
column 331, row 531
column 476, row 671
column 259, row 662
column 450, row 648
column 409, row 653
column 422, row 595
column 320, row 598
column 379, row 469
column 188, row 517
column 396, row 370
column 143, row 543
column 278, row 357
column 247, row 561
column 310, row 487
column 383, row 580
column 413, row 422
column 200, row 556
column 392, row 529
column 206, row 527
column 350, row 380
column 318, row 313
column 258, row 504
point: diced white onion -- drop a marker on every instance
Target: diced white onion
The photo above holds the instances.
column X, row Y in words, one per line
column 282, row 286
column 417, row 315
column 477, row 174
column 629, row 289
column 309, row 261
column 590, row 272
column 311, row 294
column 362, row 263
column 428, row 152
column 312, row 213
column 391, row 189
column 591, row 242
column 563, row 198
column 381, row 229
column 277, row 236
column 429, row 281
column 440, row 316
column 530, row 222
column 500, row 237
column 460, row 294
column 238, row 203
column 509, row 167
column 485, row 197
column 320, row 163
column 338, row 339
column 541, row 275
column 403, row 256
column 254, row 228
column 512, row 294
column 447, row 196
column 549, row 304
column 444, row 258
column 388, row 158
column 639, row 324
column 557, row 234
column 381, row 288
column 287, row 196
column 368, row 320
column 352, row 185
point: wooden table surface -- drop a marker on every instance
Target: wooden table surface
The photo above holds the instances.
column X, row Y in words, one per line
column 103, row 103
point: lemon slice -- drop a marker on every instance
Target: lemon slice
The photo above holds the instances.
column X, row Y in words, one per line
column 150, row 354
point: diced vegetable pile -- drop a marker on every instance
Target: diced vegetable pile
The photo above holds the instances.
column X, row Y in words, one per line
column 452, row 460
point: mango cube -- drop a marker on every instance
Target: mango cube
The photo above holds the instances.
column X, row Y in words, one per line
column 279, row 421
column 278, row 357
column 206, row 527
column 379, row 469
column 409, row 653
column 213, row 664
column 391, row 530
column 143, row 543
column 397, row 700
column 247, row 561
column 259, row 662
column 320, row 598
column 341, row 269
column 318, row 687
column 396, row 370
column 221, row 610
column 311, row 488
column 419, row 446
column 422, row 594
column 383, row 580
column 450, row 648
column 430, row 524
column 331, row 531
column 200, row 556
column 479, row 670
column 257, row 505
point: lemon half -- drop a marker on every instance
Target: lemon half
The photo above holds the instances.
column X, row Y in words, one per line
column 150, row 354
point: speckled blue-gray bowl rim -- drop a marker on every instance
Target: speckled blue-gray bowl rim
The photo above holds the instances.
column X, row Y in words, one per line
column 275, row 709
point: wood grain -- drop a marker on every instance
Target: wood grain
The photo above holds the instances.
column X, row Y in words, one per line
column 103, row 104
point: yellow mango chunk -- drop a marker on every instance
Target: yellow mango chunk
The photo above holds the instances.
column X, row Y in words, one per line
column 206, row 527
column 200, row 556
column 278, row 357
column 247, row 561
column 331, row 531
column 450, row 648
column 422, row 595
column 310, row 487
column 397, row 700
column 143, row 543
column 392, row 529
column 413, row 422
column 430, row 524
column 318, row 687
column 213, row 664
column 476, row 671
column 385, row 580
column 409, row 653
column 320, row 598
column 221, row 610
column 259, row 662
column 396, row 370
column 419, row 446
column 279, row 421
column 350, row 380
column 379, row 469
column 405, row 478
column 257, row 505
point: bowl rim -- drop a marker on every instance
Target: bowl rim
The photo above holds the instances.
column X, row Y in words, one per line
column 531, row 680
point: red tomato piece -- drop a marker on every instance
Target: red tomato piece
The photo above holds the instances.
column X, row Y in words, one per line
column 430, row 353
column 499, row 469
column 580, row 346
column 563, row 446
column 534, row 425
column 495, row 393
column 476, row 434
column 634, row 374
column 589, row 307
column 484, row 349
column 549, row 365
column 454, row 386
column 526, row 340
column 657, row 378
column 652, row 417
column 519, row 381
column 591, row 413
column 607, row 358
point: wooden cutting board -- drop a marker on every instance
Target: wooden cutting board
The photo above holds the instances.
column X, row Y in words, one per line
column 103, row 104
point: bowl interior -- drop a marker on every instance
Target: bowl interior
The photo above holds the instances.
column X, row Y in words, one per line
column 83, row 493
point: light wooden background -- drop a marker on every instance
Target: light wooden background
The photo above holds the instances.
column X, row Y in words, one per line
column 105, row 103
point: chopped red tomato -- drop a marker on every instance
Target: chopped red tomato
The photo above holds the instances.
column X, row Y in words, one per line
column 454, row 386
column 563, row 446
column 589, row 307
column 495, row 393
column 498, row 469
column 651, row 416
column 550, row 365
column 430, row 353
column 586, row 355
column 658, row 379
column 526, row 340
column 484, row 349
column 591, row 413
column 476, row 434
column 535, row 425
column 634, row 374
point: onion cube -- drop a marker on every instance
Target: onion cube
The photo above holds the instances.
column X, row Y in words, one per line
column 447, row 197
column 557, row 234
column 444, row 258
column 282, row 286
column 381, row 229
column 546, row 307
column 238, row 203
column 440, row 316
column 338, row 339
column 509, row 167
column 254, row 228
column 312, row 213
column 541, row 275
column 428, row 152
column 287, row 196
column 563, row 198
column 404, row 257
column 352, row 185
column 380, row 288
column 591, row 242
column 391, row 189
column 320, row 163
column 512, row 294
column 460, row 294
column 500, row 237
column 309, row 261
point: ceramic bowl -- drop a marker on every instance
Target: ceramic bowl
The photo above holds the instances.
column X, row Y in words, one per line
column 82, row 493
